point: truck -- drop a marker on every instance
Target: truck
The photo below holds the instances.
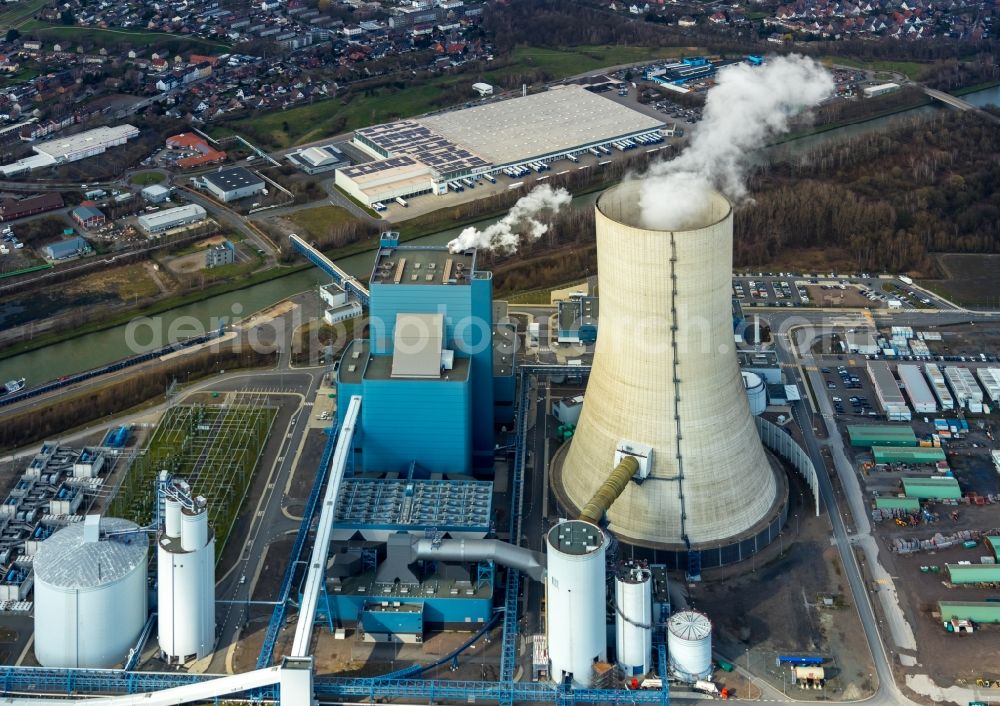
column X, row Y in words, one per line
column 401, row 201
column 706, row 687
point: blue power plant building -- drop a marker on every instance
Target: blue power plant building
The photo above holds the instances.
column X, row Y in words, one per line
column 428, row 371
column 436, row 375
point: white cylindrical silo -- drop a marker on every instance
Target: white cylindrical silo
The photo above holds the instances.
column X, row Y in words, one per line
column 575, row 601
column 90, row 594
column 172, row 517
column 665, row 375
column 689, row 644
column 186, row 589
column 634, row 619
column 194, row 528
column 756, row 392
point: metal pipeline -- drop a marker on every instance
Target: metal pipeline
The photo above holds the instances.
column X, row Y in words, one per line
column 469, row 550
column 610, row 489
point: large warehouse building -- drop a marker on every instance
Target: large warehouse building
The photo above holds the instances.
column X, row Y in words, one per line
column 233, row 184
column 426, row 155
column 72, row 148
column 172, row 218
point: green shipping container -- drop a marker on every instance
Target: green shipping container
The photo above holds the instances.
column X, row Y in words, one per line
column 881, row 435
column 908, row 504
column 973, row 573
column 937, row 488
column 969, row 610
column 891, row 454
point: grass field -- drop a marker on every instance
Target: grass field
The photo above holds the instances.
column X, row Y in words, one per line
column 115, row 37
column 970, row 279
column 215, row 449
column 327, row 117
column 911, row 69
column 16, row 15
column 147, row 178
column 315, row 221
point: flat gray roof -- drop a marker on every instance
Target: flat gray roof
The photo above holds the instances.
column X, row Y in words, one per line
column 404, row 265
column 232, row 179
column 553, row 121
column 418, row 340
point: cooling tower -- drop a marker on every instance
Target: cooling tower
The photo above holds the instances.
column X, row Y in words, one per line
column 665, row 375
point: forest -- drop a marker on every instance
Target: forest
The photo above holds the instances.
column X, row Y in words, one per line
column 887, row 201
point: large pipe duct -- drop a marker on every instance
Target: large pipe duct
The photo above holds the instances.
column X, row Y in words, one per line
column 404, row 549
column 665, row 376
column 610, row 489
column 469, row 550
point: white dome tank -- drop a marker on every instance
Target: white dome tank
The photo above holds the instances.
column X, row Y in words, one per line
column 689, row 642
column 90, row 593
column 185, row 561
column 756, row 392
column 634, row 619
column 575, row 600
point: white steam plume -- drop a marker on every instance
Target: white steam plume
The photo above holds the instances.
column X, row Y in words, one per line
column 505, row 234
column 747, row 106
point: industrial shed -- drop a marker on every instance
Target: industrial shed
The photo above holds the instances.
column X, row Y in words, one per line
column 916, row 389
column 973, row 573
column 920, row 454
column 907, row 504
column 867, row 435
column 975, row 611
column 939, row 488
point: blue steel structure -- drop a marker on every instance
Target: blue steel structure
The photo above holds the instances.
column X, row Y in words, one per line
column 339, row 276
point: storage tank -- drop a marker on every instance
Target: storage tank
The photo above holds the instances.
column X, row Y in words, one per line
column 689, row 643
column 90, row 593
column 634, row 618
column 575, row 601
column 186, row 584
column 756, row 392
column 665, row 375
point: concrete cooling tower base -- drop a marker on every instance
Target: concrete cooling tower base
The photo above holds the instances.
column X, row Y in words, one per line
column 713, row 555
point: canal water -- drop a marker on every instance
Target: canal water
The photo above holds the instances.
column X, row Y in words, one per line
column 96, row 349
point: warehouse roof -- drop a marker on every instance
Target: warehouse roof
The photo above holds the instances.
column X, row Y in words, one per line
column 871, row 434
column 930, row 482
column 152, row 220
column 408, row 137
column 232, row 179
column 84, row 140
column 84, row 212
column 916, row 454
column 552, row 121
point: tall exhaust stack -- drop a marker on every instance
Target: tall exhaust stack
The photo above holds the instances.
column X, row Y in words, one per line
column 665, row 378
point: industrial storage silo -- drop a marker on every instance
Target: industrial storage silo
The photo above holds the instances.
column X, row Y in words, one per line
column 575, row 601
column 689, row 644
column 756, row 392
column 90, row 593
column 185, row 560
column 665, row 375
column 634, row 618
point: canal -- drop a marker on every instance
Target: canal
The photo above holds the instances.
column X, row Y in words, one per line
column 102, row 347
